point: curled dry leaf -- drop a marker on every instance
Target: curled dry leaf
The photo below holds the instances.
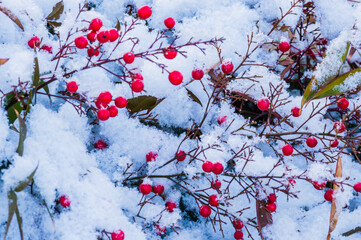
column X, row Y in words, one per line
column 3, row 60
column 14, row 18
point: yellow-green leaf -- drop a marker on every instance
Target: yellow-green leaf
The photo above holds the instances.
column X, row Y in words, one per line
column 14, row 18
column 12, row 199
column 22, row 135
column 58, row 9
column 3, row 60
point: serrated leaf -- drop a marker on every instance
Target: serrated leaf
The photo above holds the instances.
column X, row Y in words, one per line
column 23, row 184
column 142, row 103
column 264, row 217
column 314, row 86
column 3, row 60
column 12, row 199
column 58, row 9
column 22, row 135
column 335, row 208
column 117, row 26
column 12, row 16
column 194, row 97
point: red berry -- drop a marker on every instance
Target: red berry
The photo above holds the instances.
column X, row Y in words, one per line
column 205, row 211
column 287, row 150
column 272, row 198
column 92, row 36
column 144, row 12
column 113, row 111
column 284, row 46
column 319, row 186
column 169, row 22
column 221, row 119
column 342, row 103
column 128, row 57
column 72, row 86
column 181, row 156
column 175, row 78
column 216, row 184
column 118, row 235
column 151, row 156
column 238, row 235
column 292, row 181
column 170, row 206
column 47, row 48
column 357, row 187
column 311, row 142
column 237, row 224
column 64, row 201
column 81, row 42
column 334, row 143
column 271, row 207
column 207, row 166
column 339, row 127
column 105, row 97
column 145, row 188
column 100, row 144
column 138, row 76
column 263, row 104
column 160, row 230
column 113, row 35
column 120, row 102
column 103, row 36
column 95, row 24
column 296, row 112
column 213, row 200
column 158, row 189
column 100, row 104
column 217, row 168
column 227, row 67
column 170, row 53
column 197, row 74
column 93, row 51
column 34, row 42
column 137, row 86
column 103, row 114
column 328, row 195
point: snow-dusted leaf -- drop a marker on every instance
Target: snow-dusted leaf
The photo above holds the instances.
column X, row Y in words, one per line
column 14, row 18
column 22, row 135
column 314, row 87
column 3, row 60
column 58, row 9
column 142, row 103
column 194, row 97
column 23, row 184
column 264, row 217
column 12, row 199
column 335, row 208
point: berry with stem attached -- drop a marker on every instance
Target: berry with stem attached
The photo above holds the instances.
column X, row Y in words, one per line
column 319, row 186
column 357, row 187
column 103, row 36
column 342, row 103
column 238, row 235
column 237, row 224
column 158, row 189
column 34, row 42
column 170, row 206
column 328, row 195
column 287, row 150
column 137, row 86
column 205, row 211
column 103, row 114
column 170, row 53
column 213, row 200
column 145, row 188
column 81, row 42
column 263, row 104
column 227, row 67
column 113, row 111
column 339, row 127
column 181, row 155
column 128, row 57
column 120, row 102
column 216, row 184
column 207, row 166
column 217, row 168
column 175, row 78
column 72, row 86
column 93, row 51
column 95, row 24
column 113, row 35
column 271, row 207
column 334, row 143
column 272, row 198
column 296, row 112
column 284, row 46
column 92, row 36
column 311, row 142
column 169, row 22
column 197, row 74
column 105, row 97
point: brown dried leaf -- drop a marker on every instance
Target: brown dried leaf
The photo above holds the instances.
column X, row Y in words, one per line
column 283, row 73
column 264, row 217
column 3, row 60
column 14, row 18
column 335, row 208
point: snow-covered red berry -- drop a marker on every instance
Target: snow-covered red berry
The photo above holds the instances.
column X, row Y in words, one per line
column 205, row 211
column 213, row 200
column 287, row 150
column 64, row 201
column 207, row 166
column 137, row 86
column 170, row 206
column 216, row 184
column 103, row 36
column 113, row 35
column 105, row 97
column 103, row 114
column 221, row 119
column 357, row 187
column 175, row 78
column 217, row 168
column 158, row 189
column 117, row 235
column 47, row 48
column 169, row 22
column 128, row 57
column 100, row 144
column 319, row 186
column 237, row 224
column 100, row 104
column 272, row 198
column 311, row 142
column 238, row 235
column 95, row 24
column 92, row 36
column 292, row 181
column 151, row 156
column 197, row 74
column 34, row 42
column 339, row 127
column 113, row 111
column 263, row 104
column 328, row 195
column 271, row 207
column 145, row 188
column 170, row 53
column 284, row 46
column 144, row 12
column 296, row 112
column 227, row 67
column 93, row 51
column 72, row 86
column 160, row 230
column 181, row 155
column 342, row 103
column 138, row 76
column 120, row 102
column 81, row 42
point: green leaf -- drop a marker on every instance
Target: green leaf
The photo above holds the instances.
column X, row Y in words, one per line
column 23, row 184
column 11, row 105
column 117, row 26
column 58, row 9
column 20, row 222
column 12, row 16
column 142, row 103
column 315, row 86
column 54, row 23
column 12, row 199
column 22, row 135
column 194, row 97
column 36, row 78
column 3, row 60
